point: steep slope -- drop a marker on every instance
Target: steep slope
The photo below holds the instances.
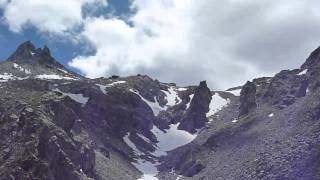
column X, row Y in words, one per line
column 56, row 124
column 270, row 132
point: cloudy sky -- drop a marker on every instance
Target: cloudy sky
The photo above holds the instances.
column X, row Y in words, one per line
column 185, row 41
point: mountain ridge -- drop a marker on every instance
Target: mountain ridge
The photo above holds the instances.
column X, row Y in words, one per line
column 56, row 124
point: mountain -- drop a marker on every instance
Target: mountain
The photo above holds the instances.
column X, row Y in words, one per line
column 56, row 124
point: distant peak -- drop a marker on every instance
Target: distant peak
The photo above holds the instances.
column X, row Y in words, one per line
column 26, row 53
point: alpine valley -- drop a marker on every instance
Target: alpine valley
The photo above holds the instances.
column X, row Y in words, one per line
column 58, row 125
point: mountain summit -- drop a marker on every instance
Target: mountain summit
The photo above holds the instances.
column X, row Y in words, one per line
column 56, row 124
column 29, row 62
column 26, row 53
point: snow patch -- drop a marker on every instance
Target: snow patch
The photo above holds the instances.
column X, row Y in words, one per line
column 235, row 120
column 53, row 76
column 155, row 106
column 303, row 72
column 64, row 71
column 271, row 115
column 17, row 66
column 172, row 97
column 78, row 98
column 171, row 139
column 216, row 104
column 32, row 53
column 116, row 83
column 102, row 88
column 6, row 77
column 191, row 97
column 182, row 89
column 235, row 92
column 144, row 138
column 131, row 144
column 148, row 169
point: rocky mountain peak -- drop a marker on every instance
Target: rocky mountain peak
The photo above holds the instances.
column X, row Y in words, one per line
column 195, row 116
column 26, row 53
column 23, row 53
column 313, row 59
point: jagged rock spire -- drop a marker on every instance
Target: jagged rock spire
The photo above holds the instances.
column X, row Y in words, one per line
column 247, row 99
column 195, row 116
column 26, row 53
column 23, row 53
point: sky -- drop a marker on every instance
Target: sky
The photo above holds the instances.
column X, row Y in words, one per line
column 184, row 41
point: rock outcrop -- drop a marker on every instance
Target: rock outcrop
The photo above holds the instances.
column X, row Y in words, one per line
column 247, row 99
column 195, row 116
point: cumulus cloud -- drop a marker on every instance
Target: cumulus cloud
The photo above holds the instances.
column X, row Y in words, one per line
column 58, row 16
column 224, row 42
column 184, row 41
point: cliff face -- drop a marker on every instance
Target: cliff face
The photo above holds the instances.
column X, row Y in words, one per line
column 56, row 124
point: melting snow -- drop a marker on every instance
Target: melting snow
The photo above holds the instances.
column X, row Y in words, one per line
column 116, row 83
column 155, row 106
column 172, row 97
column 17, row 66
column 216, row 104
column 171, row 139
column 191, row 97
column 144, row 138
column 102, row 88
column 32, row 53
column 235, row 92
column 62, row 70
column 53, row 76
column 78, row 98
column 168, row 140
column 131, row 144
column 182, row 89
column 303, row 72
column 235, row 120
column 148, row 169
column 271, row 115
column 6, row 76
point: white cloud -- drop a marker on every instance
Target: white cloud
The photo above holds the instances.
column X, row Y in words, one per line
column 184, row 41
column 54, row 16
column 164, row 42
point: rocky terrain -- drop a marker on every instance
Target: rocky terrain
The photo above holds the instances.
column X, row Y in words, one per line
column 56, row 124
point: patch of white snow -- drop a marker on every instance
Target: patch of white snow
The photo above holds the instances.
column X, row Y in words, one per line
column 17, row 66
column 172, row 97
column 303, row 72
column 191, row 97
column 116, row 83
column 271, row 115
column 182, row 89
column 78, row 98
column 102, row 88
column 53, row 76
column 171, row 139
column 216, row 104
column 235, row 92
column 155, row 106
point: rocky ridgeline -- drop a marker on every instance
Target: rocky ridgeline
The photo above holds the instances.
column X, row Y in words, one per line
column 56, row 124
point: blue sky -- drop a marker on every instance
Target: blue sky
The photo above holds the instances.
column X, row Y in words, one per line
column 181, row 41
column 62, row 50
